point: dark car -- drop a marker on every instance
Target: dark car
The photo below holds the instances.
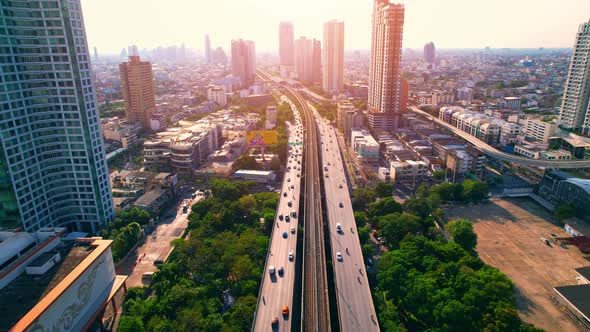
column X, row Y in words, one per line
column 285, row 235
column 158, row 262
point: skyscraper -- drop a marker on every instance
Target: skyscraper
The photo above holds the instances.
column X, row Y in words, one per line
column 316, row 66
column 286, row 48
column 385, row 90
column 208, row 58
column 243, row 61
column 53, row 170
column 304, row 59
column 429, row 52
column 138, row 91
column 333, row 56
column 576, row 96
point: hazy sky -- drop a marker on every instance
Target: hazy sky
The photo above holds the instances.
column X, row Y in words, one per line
column 114, row 24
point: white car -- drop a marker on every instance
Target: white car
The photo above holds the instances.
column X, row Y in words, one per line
column 291, row 256
column 292, row 230
column 339, row 256
column 271, row 270
column 339, row 227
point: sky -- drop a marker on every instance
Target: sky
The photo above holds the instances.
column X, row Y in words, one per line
column 114, row 24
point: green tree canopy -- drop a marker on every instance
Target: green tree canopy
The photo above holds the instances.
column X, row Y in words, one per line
column 462, row 232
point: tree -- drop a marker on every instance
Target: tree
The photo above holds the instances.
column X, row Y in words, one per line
column 564, row 211
column 361, row 197
column 382, row 207
column 462, row 232
column 417, row 206
column 395, row 226
column 360, row 218
column 439, row 175
column 383, row 189
column 475, row 191
column 130, row 324
column 363, row 234
column 245, row 162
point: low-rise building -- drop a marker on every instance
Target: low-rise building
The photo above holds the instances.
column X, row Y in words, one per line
column 154, row 200
column 256, row 175
column 183, row 149
column 539, row 130
column 65, row 289
column 562, row 188
column 217, row 94
column 408, row 171
column 365, row 145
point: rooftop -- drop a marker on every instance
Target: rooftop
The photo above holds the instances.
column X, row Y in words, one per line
column 582, row 183
column 584, row 271
column 23, row 293
column 578, row 296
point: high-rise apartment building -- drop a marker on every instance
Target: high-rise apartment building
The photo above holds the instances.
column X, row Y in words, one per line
column 208, row 58
column 576, row 96
column 333, row 56
column 243, row 61
column 53, row 170
column 429, row 52
column 385, row 88
column 138, row 91
column 286, row 44
column 304, row 59
column 317, row 62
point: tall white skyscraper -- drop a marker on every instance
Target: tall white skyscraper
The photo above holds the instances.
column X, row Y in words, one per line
column 333, row 56
column 385, row 88
column 208, row 58
column 304, row 59
column 243, row 61
column 53, row 170
column 575, row 113
column 286, row 49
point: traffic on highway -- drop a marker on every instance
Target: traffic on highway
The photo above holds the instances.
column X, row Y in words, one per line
column 355, row 304
column 275, row 299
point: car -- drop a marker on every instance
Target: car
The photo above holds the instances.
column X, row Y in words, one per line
column 326, row 174
column 280, row 217
column 281, row 271
column 339, row 227
column 340, row 186
column 275, row 322
column 285, row 310
column 289, row 180
column 289, row 203
column 292, row 186
column 287, row 218
column 158, row 262
column 370, row 261
column 271, row 270
column 341, row 205
column 291, row 256
column 292, row 230
column 285, row 194
column 298, row 174
column 339, row 256
column 285, row 235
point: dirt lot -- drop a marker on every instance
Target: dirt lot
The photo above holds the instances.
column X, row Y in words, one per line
column 509, row 232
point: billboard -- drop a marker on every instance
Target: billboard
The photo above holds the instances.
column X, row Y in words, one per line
column 262, row 137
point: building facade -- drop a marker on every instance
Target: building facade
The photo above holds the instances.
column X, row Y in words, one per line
column 304, row 59
column 286, row 48
column 317, row 62
column 243, row 61
column 385, row 90
column 217, row 94
column 138, row 90
column 576, row 96
column 333, row 56
column 52, row 161
column 429, row 52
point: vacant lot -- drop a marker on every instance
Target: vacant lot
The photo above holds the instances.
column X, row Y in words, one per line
column 509, row 232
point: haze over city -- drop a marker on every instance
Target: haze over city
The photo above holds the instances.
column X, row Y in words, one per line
column 114, row 24
column 310, row 165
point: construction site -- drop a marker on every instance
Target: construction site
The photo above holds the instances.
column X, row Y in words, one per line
column 521, row 239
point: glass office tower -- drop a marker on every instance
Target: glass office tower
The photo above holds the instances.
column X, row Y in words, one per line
column 53, row 170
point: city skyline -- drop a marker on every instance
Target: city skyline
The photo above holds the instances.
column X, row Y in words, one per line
column 550, row 25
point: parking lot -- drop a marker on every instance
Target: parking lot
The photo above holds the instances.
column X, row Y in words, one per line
column 509, row 238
